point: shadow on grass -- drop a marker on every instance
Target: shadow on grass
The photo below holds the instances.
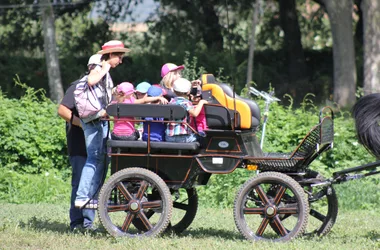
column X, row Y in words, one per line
column 41, row 225
column 374, row 236
column 202, row 233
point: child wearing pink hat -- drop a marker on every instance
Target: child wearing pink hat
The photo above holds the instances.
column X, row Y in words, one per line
column 169, row 73
column 124, row 128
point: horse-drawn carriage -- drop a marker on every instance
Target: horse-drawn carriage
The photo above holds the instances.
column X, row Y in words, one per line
column 153, row 184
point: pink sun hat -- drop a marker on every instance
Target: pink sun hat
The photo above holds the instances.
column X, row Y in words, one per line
column 113, row 46
column 126, row 88
column 168, row 67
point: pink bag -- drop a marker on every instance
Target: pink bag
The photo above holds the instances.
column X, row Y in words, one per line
column 86, row 100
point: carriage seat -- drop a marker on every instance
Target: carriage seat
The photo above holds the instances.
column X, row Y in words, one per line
column 155, row 146
column 168, row 112
column 222, row 96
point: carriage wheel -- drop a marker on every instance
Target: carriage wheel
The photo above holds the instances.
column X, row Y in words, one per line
column 265, row 200
column 323, row 204
column 135, row 193
column 186, row 206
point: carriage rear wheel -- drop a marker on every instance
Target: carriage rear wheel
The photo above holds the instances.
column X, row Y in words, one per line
column 323, row 204
column 185, row 204
column 263, row 202
column 134, row 193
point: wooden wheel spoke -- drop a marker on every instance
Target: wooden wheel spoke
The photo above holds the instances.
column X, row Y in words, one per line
column 262, row 227
column 117, row 208
column 127, row 222
column 262, row 194
column 287, row 210
column 149, row 214
column 151, row 204
column 181, row 206
column 276, row 223
column 143, row 186
column 280, row 193
column 145, row 220
column 317, row 215
column 120, row 186
column 255, row 210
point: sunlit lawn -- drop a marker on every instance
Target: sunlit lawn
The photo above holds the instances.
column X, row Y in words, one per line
column 45, row 226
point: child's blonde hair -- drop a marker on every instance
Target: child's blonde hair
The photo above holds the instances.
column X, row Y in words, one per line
column 167, row 81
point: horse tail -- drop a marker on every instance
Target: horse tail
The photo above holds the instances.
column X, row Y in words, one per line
column 366, row 113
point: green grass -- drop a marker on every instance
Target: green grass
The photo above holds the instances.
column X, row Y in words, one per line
column 45, row 226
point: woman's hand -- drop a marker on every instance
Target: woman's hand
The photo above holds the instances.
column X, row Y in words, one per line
column 106, row 66
column 103, row 114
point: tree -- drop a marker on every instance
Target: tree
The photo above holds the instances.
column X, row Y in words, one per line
column 255, row 20
column 340, row 15
column 191, row 21
column 371, row 38
column 51, row 54
column 295, row 58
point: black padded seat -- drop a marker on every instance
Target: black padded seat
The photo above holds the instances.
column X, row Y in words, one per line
column 127, row 144
column 156, row 146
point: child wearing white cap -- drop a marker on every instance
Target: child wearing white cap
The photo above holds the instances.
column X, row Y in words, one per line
column 180, row 132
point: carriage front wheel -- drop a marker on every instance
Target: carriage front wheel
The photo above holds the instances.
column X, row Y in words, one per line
column 264, row 201
column 135, row 193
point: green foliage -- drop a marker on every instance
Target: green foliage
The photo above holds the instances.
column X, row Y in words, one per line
column 32, row 137
column 359, row 194
column 191, row 71
column 47, row 187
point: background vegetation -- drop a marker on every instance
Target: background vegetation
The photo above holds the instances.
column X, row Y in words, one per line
column 174, row 29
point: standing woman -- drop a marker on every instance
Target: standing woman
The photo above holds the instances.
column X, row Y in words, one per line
column 95, row 129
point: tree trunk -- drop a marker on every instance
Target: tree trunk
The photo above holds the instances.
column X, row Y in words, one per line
column 211, row 31
column 295, row 57
column 51, row 54
column 255, row 21
column 371, row 38
column 340, row 15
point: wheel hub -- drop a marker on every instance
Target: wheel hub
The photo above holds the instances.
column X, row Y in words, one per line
column 134, row 206
column 270, row 211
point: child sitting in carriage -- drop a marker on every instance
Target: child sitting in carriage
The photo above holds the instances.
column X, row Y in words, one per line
column 179, row 132
column 157, row 129
column 124, row 128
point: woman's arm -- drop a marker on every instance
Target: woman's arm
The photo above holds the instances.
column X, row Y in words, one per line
column 97, row 74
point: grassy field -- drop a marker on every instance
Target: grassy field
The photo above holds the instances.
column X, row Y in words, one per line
column 45, row 226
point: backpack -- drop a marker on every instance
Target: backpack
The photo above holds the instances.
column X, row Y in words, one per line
column 87, row 101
